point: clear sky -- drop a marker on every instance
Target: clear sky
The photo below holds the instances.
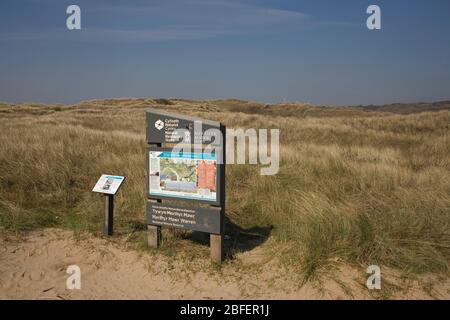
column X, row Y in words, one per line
column 265, row 50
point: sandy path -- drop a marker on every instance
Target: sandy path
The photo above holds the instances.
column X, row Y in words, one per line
column 35, row 268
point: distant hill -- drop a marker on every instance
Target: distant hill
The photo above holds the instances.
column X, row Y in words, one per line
column 405, row 108
column 297, row 110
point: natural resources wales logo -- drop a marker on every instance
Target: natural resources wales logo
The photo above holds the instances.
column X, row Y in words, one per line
column 159, row 124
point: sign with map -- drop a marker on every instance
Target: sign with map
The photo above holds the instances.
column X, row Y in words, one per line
column 185, row 163
column 184, row 175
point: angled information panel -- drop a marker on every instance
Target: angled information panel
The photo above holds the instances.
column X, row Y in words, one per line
column 108, row 184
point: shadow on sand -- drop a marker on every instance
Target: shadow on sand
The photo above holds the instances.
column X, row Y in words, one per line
column 237, row 239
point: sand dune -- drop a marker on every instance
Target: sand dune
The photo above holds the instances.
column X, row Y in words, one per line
column 35, row 268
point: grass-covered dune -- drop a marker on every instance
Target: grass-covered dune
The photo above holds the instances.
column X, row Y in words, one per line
column 354, row 185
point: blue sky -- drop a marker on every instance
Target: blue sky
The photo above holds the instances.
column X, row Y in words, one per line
column 267, row 50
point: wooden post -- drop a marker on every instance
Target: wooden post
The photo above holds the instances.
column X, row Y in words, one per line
column 154, row 236
column 215, row 243
column 109, row 212
column 216, row 240
column 154, row 232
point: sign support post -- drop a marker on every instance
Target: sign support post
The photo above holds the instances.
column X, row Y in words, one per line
column 109, row 214
column 215, row 244
column 154, row 232
column 216, row 240
column 154, row 236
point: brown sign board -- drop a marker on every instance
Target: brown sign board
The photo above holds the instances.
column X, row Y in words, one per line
column 195, row 174
column 161, row 126
column 190, row 218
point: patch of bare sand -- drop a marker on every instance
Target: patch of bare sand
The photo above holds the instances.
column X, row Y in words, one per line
column 35, row 268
